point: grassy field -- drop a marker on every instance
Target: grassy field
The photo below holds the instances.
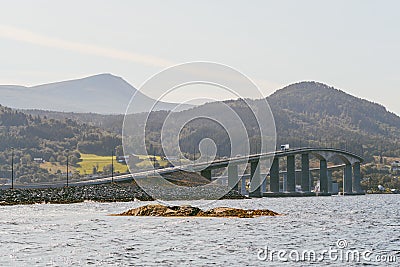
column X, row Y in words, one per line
column 53, row 167
column 146, row 162
column 90, row 160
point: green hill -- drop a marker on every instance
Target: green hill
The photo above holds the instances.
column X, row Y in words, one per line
column 310, row 113
column 34, row 137
column 306, row 114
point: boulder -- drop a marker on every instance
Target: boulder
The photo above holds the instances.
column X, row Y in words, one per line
column 161, row 210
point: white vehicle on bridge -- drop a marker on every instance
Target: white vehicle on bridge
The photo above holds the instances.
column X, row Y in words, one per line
column 285, row 147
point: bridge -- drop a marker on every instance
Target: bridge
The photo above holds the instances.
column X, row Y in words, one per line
column 258, row 182
column 351, row 166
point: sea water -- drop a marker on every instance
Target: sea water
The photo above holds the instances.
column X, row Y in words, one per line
column 84, row 234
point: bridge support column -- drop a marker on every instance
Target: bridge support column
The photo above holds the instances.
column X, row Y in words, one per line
column 274, row 176
column 233, row 179
column 357, row 177
column 264, row 185
column 255, row 179
column 284, row 182
column 348, row 179
column 323, row 176
column 243, row 189
column 291, row 174
column 206, row 174
column 329, row 181
column 305, row 173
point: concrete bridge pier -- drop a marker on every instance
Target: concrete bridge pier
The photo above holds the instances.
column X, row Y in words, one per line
column 323, row 176
column 233, row 179
column 206, row 174
column 243, row 189
column 348, row 179
column 274, row 176
column 357, row 178
column 264, row 185
column 305, row 173
column 291, row 174
column 284, row 183
column 329, row 181
column 255, row 179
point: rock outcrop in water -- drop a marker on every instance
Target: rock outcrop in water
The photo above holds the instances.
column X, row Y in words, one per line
column 189, row 211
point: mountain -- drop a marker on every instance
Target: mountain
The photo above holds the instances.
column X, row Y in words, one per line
column 311, row 100
column 103, row 94
column 311, row 113
column 306, row 114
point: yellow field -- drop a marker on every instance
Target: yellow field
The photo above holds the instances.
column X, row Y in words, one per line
column 91, row 160
column 146, row 163
column 88, row 161
column 53, row 167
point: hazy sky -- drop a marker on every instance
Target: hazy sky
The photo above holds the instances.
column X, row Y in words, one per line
column 351, row 45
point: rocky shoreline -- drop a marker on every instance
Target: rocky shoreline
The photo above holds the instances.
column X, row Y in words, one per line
column 189, row 211
column 117, row 192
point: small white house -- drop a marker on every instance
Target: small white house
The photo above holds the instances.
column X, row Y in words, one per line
column 38, row 160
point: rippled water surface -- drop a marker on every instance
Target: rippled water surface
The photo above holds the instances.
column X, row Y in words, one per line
column 82, row 234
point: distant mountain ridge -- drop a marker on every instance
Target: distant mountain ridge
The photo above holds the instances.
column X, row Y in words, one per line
column 102, row 93
column 306, row 114
column 313, row 99
column 317, row 114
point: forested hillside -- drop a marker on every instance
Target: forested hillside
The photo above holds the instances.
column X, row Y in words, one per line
column 306, row 114
column 31, row 137
column 315, row 114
